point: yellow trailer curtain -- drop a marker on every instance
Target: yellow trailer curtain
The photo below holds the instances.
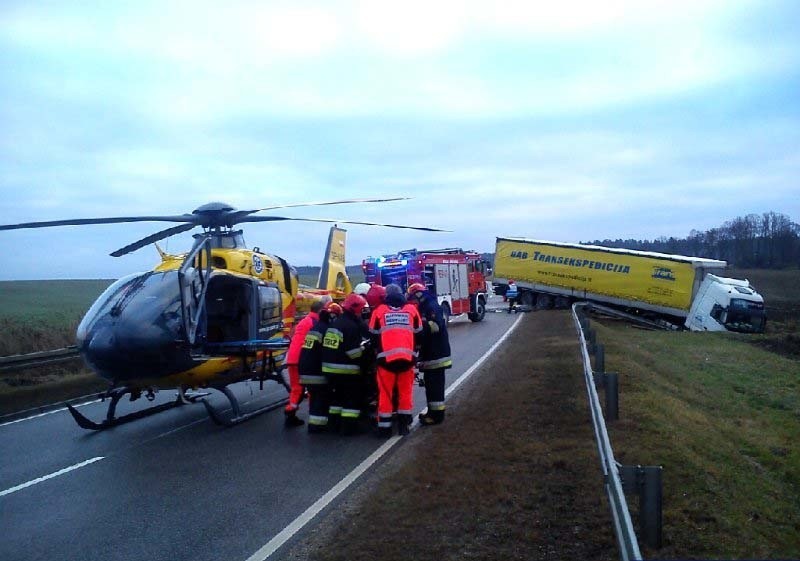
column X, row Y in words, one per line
column 662, row 282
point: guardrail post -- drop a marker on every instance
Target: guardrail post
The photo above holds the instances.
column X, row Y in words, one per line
column 611, row 382
column 599, row 358
column 646, row 482
column 591, row 343
column 650, row 506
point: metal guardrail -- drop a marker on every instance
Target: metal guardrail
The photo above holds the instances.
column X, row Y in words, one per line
column 623, row 526
column 21, row 362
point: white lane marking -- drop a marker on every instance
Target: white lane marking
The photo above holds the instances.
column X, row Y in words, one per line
column 48, row 413
column 297, row 524
column 50, row 476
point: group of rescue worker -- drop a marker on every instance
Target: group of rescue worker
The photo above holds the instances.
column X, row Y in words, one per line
column 357, row 360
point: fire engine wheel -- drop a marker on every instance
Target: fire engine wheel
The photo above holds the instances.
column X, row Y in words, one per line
column 480, row 311
column 446, row 312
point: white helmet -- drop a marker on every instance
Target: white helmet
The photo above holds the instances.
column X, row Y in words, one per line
column 361, row 288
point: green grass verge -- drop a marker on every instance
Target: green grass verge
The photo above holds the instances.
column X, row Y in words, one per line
column 723, row 418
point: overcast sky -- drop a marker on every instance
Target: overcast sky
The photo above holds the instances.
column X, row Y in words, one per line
column 566, row 121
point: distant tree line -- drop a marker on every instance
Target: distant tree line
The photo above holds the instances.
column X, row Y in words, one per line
column 767, row 241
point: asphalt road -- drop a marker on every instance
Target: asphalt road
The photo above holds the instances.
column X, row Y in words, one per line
column 175, row 485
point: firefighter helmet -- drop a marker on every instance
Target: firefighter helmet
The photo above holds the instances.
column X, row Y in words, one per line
column 416, row 287
column 376, row 296
column 354, row 303
column 361, row 288
column 333, row 308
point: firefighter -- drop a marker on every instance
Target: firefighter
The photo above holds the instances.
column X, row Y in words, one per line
column 342, row 352
column 376, row 295
column 296, row 391
column 310, row 367
column 394, row 326
column 362, row 289
column 511, row 295
column 434, row 353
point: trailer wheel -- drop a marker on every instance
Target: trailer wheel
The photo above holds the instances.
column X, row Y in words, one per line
column 480, row 310
column 526, row 299
column 562, row 302
column 544, row 302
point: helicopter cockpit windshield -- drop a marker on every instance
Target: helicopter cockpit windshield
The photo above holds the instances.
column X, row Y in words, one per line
column 226, row 239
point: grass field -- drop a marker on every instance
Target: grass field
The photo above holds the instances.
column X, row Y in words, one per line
column 43, row 315
column 723, row 418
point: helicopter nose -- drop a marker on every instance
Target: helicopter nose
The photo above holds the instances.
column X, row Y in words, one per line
column 121, row 352
column 132, row 334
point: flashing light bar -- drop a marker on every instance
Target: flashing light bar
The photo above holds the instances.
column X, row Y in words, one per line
column 394, row 263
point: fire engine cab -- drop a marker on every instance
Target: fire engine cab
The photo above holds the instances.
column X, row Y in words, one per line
column 455, row 276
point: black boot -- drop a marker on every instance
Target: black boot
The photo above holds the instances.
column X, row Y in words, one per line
column 292, row 420
column 334, row 423
column 404, row 424
column 431, row 418
column 316, row 429
column 350, row 426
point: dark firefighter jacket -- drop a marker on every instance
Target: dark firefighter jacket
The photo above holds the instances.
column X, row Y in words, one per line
column 434, row 350
column 342, row 347
column 310, row 362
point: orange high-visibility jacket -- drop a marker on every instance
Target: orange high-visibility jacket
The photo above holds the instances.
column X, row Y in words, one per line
column 394, row 330
column 299, row 337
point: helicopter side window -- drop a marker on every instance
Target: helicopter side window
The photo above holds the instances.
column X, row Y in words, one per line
column 227, row 310
column 270, row 311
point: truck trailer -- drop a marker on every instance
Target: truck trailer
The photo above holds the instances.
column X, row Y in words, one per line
column 674, row 290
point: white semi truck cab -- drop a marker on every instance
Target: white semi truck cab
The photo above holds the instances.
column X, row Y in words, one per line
column 725, row 304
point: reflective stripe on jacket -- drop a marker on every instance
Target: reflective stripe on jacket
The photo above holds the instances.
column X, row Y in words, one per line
column 394, row 330
column 341, row 345
column 434, row 350
column 310, row 365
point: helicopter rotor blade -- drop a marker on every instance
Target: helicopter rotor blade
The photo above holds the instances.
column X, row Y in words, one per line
column 332, row 221
column 244, row 213
column 152, row 238
column 107, row 220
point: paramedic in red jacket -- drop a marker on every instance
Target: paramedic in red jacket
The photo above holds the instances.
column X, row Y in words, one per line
column 292, row 361
column 393, row 326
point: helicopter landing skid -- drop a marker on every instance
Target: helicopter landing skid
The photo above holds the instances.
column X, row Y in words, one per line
column 112, row 420
column 237, row 416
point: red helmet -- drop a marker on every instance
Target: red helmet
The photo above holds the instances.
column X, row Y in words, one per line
column 354, row 303
column 416, row 287
column 376, row 296
column 333, row 308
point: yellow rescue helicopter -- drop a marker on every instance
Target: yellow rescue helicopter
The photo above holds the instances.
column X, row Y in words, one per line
column 206, row 319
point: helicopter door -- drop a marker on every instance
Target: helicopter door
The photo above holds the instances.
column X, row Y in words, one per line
column 228, row 309
column 193, row 279
column 270, row 317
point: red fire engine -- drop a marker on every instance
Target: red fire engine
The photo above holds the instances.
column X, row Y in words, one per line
column 455, row 276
